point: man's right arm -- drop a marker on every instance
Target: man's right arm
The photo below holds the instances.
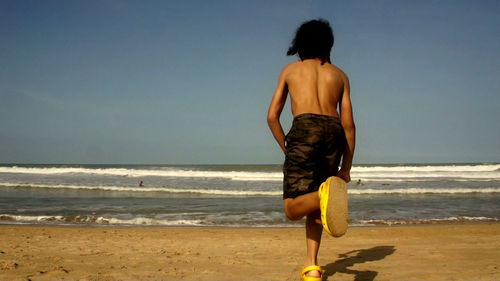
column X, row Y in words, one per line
column 347, row 120
column 275, row 108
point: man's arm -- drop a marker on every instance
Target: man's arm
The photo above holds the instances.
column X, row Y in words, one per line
column 347, row 120
column 275, row 108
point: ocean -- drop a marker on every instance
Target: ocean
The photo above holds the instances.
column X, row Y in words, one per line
column 239, row 195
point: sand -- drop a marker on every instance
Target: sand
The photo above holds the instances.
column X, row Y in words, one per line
column 426, row 252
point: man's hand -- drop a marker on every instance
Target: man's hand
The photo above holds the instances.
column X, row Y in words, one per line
column 345, row 175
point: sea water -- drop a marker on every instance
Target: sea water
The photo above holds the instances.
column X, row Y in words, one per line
column 238, row 195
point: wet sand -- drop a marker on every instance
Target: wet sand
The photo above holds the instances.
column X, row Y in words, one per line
column 424, row 252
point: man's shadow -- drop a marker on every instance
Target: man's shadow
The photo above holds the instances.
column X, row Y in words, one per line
column 359, row 256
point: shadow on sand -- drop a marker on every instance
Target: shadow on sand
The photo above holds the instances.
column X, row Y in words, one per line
column 359, row 256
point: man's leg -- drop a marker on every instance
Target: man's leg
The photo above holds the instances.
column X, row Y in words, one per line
column 296, row 209
column 313, row 240
column 300, row 206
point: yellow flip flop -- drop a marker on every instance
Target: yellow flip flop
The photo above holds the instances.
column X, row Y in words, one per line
column 305, row 270
column 333, row 205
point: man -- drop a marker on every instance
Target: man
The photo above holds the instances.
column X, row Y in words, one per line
column 318, row 139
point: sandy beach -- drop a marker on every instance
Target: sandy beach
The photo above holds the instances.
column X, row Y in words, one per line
column 426, row 252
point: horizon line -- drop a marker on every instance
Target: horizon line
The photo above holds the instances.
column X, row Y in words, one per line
column 240, row 164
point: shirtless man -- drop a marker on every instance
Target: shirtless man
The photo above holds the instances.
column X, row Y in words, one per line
column 319, row 136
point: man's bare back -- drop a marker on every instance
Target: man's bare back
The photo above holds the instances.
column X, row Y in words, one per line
column 313, row 87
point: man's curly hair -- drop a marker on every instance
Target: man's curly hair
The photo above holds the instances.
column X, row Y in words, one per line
column 313, row 39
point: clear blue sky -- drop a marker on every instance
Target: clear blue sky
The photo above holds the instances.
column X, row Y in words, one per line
column 189, row 82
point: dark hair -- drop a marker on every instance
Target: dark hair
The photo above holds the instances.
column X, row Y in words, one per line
column 313, row 39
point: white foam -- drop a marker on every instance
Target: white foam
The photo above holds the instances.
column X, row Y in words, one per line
column 388, row 176
column 364, row 180
column 171, row 172
column 429, row 168
column 30, row 218
column 23, row 219
column 368, row 191
column 148, row 221
column 427, row 221
column 149, row 189
column 99, row 220
column 357, row 191
column 403, row 173
column 373, row 173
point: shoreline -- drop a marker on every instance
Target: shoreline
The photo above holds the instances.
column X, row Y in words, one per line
column 410, row 252
column 298, row 226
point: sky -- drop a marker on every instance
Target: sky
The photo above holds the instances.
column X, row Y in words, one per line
column 190, row 82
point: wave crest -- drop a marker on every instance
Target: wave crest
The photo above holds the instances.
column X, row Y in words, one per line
column 375, row 173
column 149, row 189
column 461, row 219
column 221, row 192
column 145, row 221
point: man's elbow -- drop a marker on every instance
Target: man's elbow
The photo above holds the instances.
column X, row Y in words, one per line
column 349, row 127
column 272, row 118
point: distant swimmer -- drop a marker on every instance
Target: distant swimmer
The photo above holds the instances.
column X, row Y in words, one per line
column 359, row 182
column 141, row 184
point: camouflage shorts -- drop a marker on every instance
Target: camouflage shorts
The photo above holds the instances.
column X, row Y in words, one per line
column 314, row 147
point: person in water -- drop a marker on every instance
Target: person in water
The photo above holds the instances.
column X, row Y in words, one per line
column 320, row 135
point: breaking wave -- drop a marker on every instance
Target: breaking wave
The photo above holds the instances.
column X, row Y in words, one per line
column 168, row 172
column 480, row 172
column 144, row 221
column 6, row 218
column 461, row 219
column 149, row 189
column 222, row 192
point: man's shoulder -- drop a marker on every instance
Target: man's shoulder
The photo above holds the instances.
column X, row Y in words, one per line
column 338, row 71
column 291, row 66
column 336, row 68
